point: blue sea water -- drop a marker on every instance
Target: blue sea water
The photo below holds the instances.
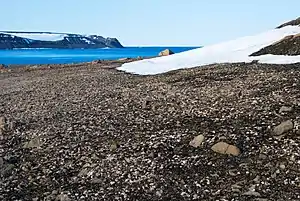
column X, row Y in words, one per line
column 66, row 56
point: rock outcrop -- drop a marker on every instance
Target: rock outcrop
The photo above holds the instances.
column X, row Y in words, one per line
column 165, row 52
column 289, row 45
column 10, row 40
column 290, row 23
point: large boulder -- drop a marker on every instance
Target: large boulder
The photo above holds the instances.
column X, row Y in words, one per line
column 166, row 52
column 283, row 128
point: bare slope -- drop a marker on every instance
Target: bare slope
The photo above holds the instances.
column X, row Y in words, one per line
column 85, row 133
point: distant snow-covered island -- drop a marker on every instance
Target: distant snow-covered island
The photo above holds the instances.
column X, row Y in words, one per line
column 15, row 39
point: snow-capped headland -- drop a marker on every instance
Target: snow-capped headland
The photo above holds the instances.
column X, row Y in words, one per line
column 13, row 39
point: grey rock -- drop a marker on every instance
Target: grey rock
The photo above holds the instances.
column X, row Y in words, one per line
column 96, row 181
column 2, row 123
column 252, row 193
column 235, row 190
column 114, row 145
column 7, row 169
column 34, row 143
column 62, row 197
column 256, row 179
column 236, row 186
column 297, row 127
column 197, row 141
column 83, row 172
column 283, row 128
column 282, row 166
column 262, row 156
column 1, row 162
column 11, row 125
column 285, row 109
column 87, row 170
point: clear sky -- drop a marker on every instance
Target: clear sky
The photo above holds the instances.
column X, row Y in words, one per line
column 150, row 22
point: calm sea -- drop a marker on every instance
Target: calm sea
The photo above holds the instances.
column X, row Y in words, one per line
column 63, row 56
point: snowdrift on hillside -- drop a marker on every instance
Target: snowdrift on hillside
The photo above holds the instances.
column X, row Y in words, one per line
column 41, row 36
column 227, row 52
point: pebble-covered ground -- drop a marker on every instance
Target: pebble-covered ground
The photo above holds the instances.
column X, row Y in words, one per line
column 222, row 132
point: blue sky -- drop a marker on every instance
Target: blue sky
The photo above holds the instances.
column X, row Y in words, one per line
column 150, row 22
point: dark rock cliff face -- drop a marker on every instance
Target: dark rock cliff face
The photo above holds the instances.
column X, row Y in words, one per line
column 10, row 40
column 290, row 23
column 290, row 45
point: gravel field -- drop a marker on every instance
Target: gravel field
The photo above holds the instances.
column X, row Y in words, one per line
column 85, row 132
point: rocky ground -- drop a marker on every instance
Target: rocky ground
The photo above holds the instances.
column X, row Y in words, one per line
column 289, row 45
column 85, row 132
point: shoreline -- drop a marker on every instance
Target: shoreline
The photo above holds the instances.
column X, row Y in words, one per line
column 100, row 63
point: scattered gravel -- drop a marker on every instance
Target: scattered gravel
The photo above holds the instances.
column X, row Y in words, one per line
column 83, row 132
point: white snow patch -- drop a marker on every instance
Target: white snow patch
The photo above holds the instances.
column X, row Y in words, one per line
column 40, row 36
column 88, row 41
column 227, row 52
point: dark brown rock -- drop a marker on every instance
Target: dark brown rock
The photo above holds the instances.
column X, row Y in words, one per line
column 224, row 148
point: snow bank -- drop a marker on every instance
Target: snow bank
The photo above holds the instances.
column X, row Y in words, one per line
column 228, row 52
column 40, row 36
